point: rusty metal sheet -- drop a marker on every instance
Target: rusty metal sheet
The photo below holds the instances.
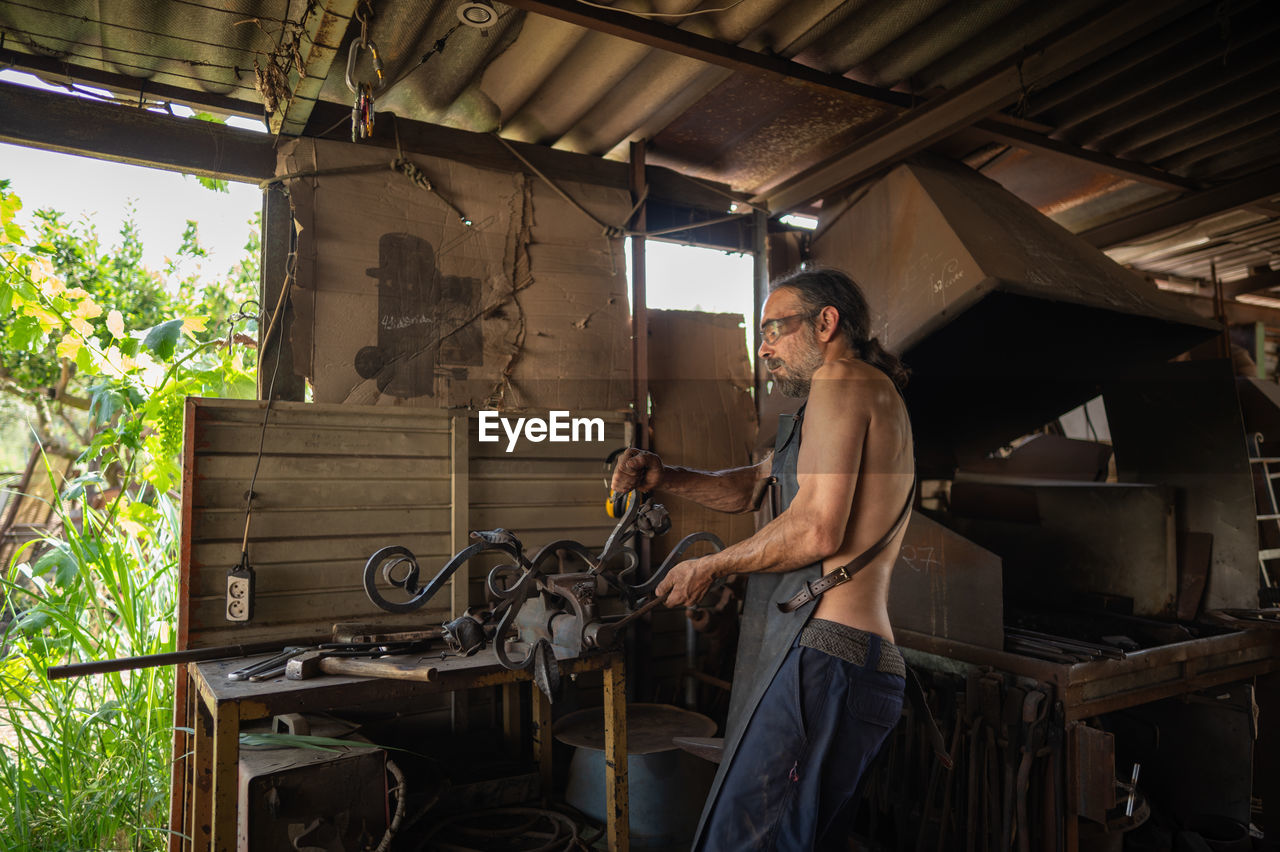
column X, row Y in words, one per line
column 1095, row 756
column 1203, row 457
column 754, row 132
column 1005, row 318
column 1062, row 541
column 947, row 586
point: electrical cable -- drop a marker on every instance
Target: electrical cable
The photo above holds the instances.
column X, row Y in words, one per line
column 660, row 14
column 606, row 228
column 87, row 20
column 402, row 166
column 62, row 53
column 266, row 412
column 436, row 48
column 235, row 12
column 401, row 796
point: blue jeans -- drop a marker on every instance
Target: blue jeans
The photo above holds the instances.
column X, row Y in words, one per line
column 791, row 785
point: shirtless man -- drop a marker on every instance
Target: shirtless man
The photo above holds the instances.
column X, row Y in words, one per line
column 817, row 687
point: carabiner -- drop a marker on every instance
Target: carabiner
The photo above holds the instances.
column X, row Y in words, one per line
column 353, row 55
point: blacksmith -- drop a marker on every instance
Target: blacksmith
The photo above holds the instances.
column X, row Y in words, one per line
column 818, row 683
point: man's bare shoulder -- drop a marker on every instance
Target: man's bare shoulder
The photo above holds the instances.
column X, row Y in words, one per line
column 857, row 385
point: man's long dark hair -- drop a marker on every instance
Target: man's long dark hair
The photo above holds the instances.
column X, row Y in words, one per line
column 818, row 288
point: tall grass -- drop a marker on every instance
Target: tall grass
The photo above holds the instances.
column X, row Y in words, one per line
column 85, row 762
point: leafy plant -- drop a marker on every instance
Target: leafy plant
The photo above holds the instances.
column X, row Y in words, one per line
column 96, row 345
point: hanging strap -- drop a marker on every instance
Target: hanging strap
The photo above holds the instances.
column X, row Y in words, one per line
column 814, row 589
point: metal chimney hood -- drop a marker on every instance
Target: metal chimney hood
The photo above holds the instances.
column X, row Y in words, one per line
column 1005, row 318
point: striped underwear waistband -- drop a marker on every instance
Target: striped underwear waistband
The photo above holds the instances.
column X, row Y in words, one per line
column 851, row 645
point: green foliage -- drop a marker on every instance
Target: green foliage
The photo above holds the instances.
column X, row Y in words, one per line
column 89, row 763
column 85, row 763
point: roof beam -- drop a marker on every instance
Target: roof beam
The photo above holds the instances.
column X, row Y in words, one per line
column 694, row 46
column 123, row 134
column 1011, row 134
column 938, row 118
column 1190, row 208
column 323, row 32
column 1261, row 280
column 60, row 72
column 685, row 43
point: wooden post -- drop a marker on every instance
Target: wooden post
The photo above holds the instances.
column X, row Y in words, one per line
column 459, row 537
column 460, row 503
column 275, row 351
column 200, row 793
column 639, row 308
column 643, row 631
column 512, row 720
column 226, row 775
column 180, row 774
column 542, row 741
column 760, row 272
column 617, row 818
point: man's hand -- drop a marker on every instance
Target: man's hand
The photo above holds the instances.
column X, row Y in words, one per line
column 636, row 470
column 686, row 583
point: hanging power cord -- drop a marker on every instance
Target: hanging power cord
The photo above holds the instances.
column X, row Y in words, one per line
column 240, row 578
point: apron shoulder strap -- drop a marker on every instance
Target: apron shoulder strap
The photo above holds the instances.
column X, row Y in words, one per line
column 813, row 590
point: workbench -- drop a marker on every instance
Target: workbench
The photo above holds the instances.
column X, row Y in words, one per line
column 218, row 707
column 1090, row 689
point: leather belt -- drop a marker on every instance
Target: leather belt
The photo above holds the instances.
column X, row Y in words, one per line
column 814, row 589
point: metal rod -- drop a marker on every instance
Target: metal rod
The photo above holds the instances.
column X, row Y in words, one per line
column 146, row 661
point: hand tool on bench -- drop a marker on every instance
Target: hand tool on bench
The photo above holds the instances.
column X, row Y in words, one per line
column 310, row 663
column 270, row 667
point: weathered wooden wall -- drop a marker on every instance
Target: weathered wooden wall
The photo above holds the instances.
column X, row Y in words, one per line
column 335, row 484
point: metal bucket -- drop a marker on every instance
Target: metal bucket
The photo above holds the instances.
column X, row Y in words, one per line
column 666, row 786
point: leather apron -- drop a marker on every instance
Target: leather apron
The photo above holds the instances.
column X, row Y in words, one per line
column 765, row 634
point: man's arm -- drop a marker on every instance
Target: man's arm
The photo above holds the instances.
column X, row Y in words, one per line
column 724, row 490
column 813, row 526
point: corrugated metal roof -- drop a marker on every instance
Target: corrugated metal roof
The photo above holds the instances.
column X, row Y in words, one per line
column 1197, row 94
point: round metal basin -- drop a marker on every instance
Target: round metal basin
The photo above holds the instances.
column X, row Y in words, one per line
column 667, row 786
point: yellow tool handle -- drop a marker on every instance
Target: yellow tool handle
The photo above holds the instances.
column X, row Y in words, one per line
column 617, row 504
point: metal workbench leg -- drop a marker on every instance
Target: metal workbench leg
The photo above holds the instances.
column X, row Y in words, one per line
column 226, row 760
column 617, row 820
column 542, row 741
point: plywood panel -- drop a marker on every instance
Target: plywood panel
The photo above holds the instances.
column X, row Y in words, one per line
column 334, row 485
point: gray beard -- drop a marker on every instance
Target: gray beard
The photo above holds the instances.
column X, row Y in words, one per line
column 797, row 382
column 796, row 388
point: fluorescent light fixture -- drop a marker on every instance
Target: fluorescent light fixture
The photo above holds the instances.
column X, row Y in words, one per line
column 1261, row 301
column 795, row 220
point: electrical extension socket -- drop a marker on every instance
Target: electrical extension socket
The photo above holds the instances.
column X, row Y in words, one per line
column 240, row 593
